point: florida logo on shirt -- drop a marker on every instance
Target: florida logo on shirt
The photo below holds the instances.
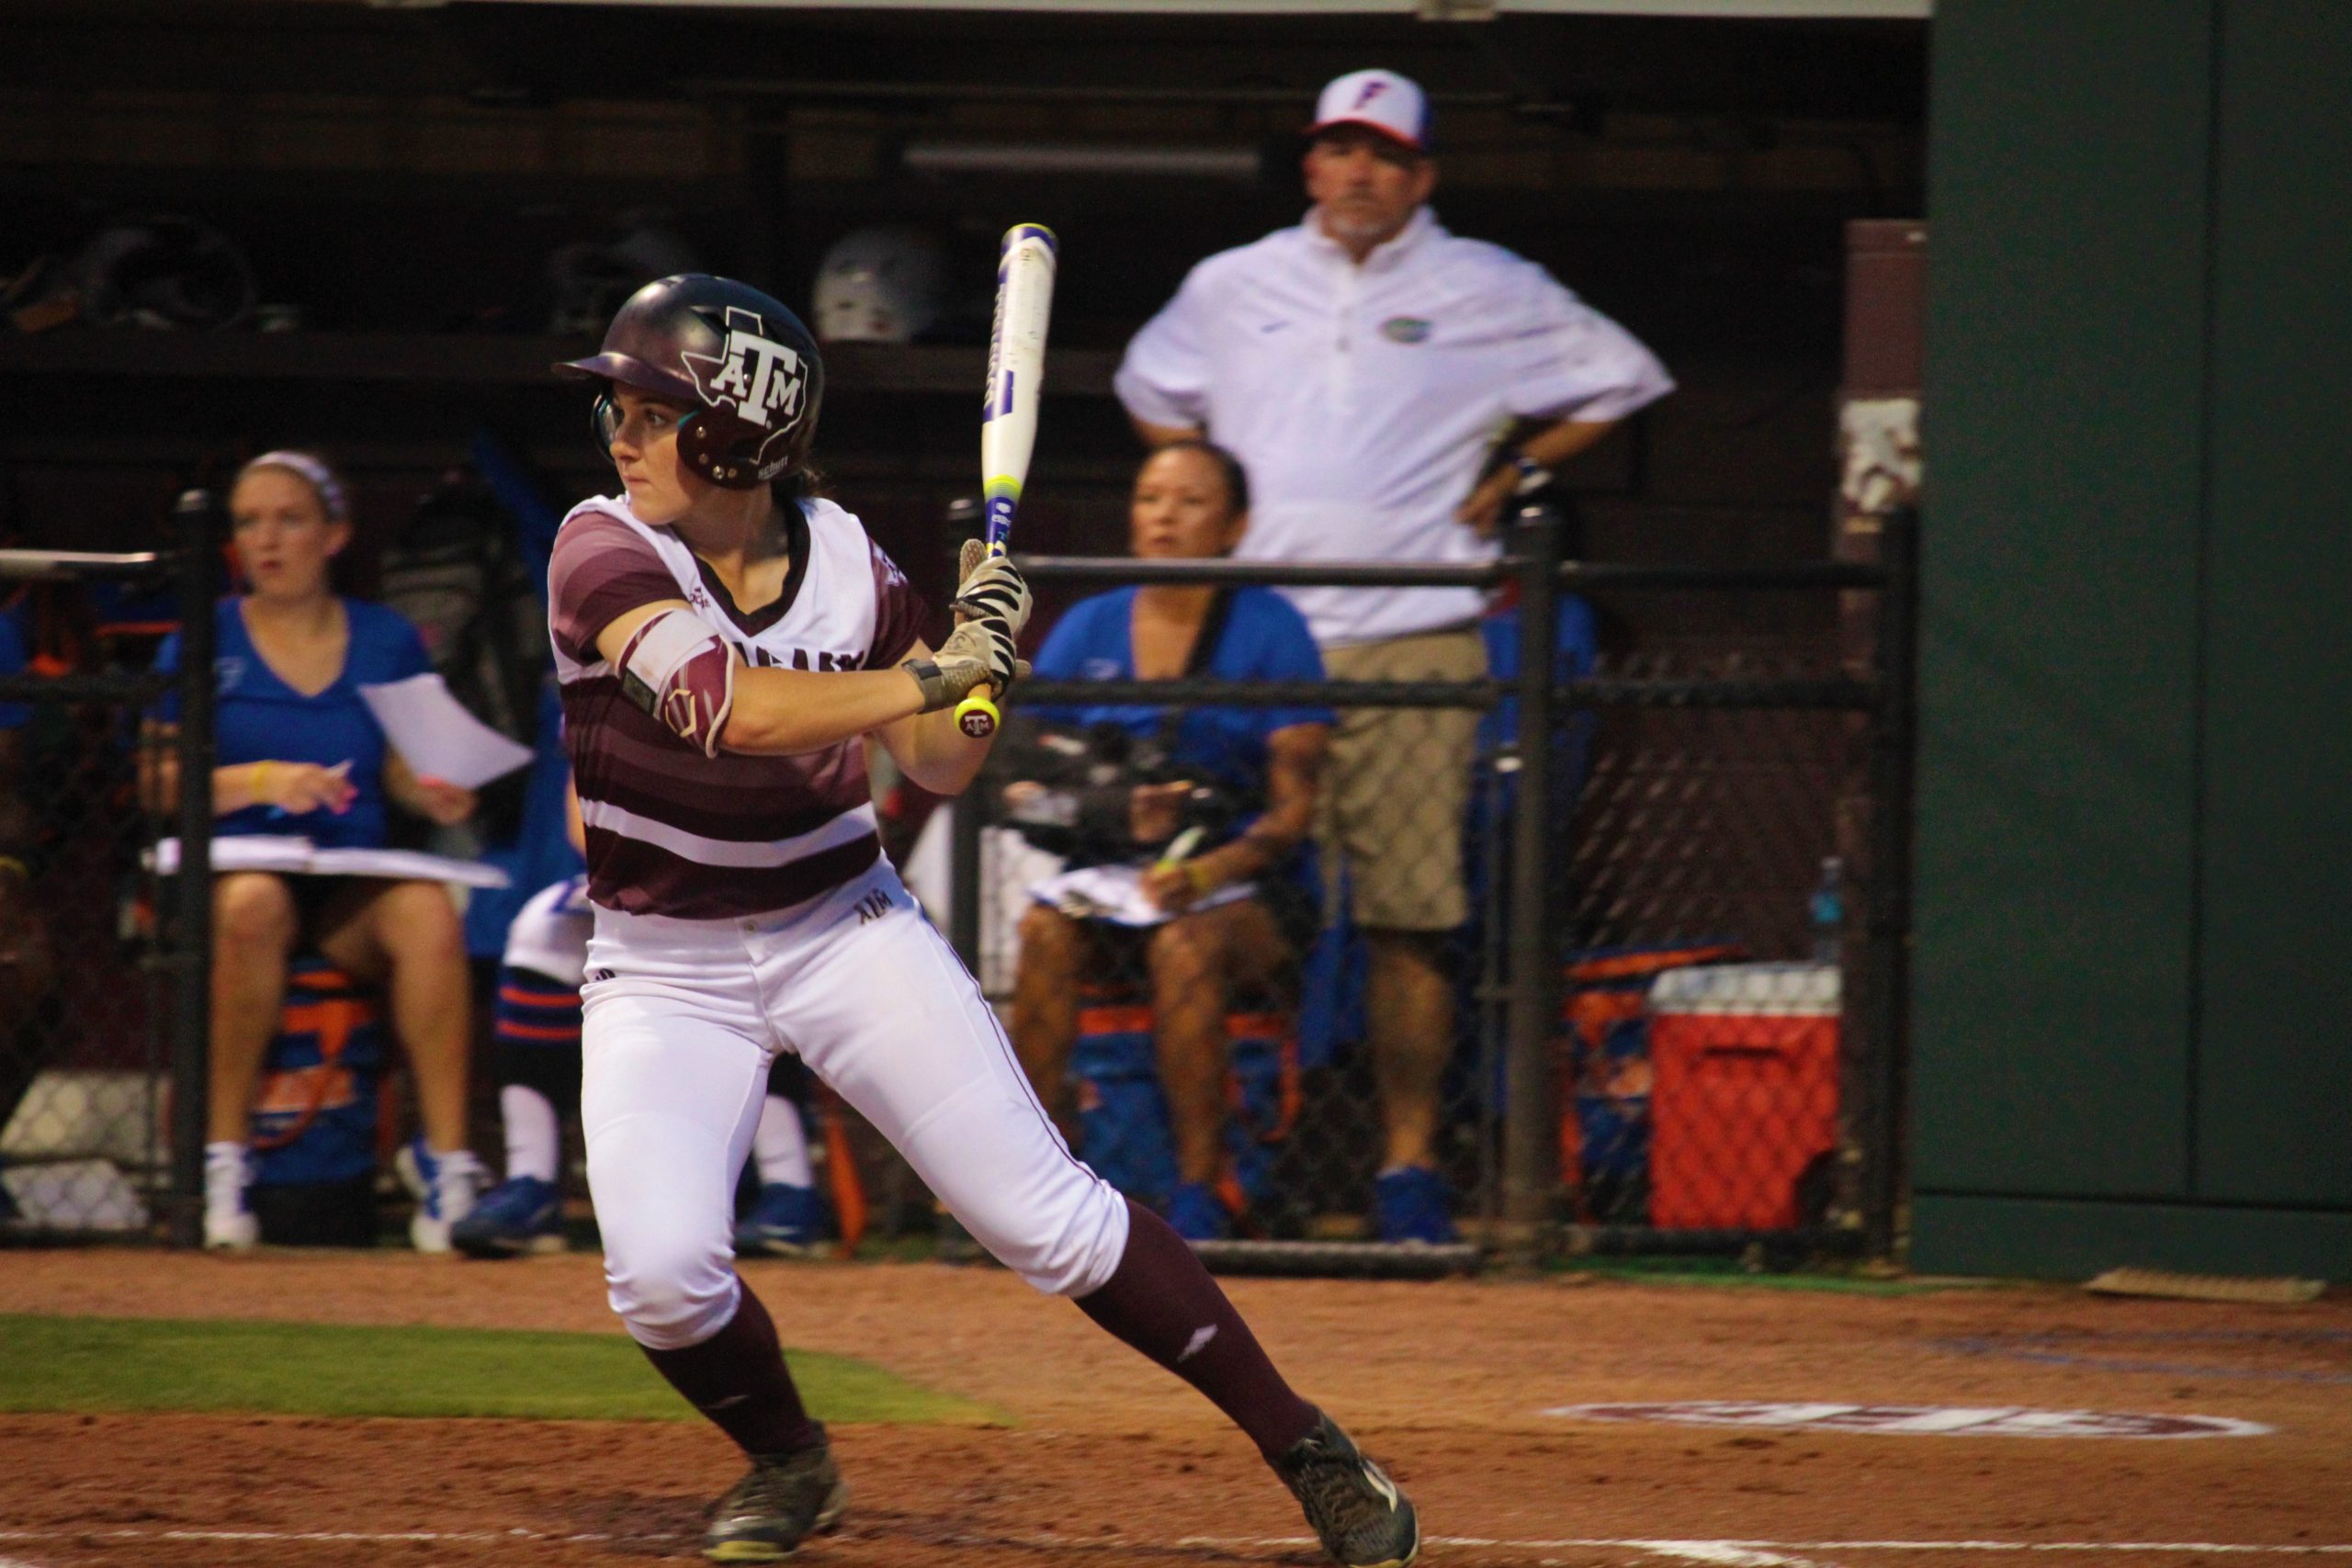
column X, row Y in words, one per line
column 1404, row 329
column 762, row 381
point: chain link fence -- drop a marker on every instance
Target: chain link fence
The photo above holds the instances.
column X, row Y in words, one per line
column 101, row 988
column 1656, row 1012
column 1343, row 974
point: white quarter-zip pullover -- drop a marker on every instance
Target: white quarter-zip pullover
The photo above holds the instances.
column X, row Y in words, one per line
column 1363, row 399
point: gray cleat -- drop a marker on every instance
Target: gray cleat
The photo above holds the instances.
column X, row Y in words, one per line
column 780, row 1502
column 1359, row 1515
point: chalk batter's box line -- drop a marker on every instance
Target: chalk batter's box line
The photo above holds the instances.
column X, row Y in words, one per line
column 1664, row 1546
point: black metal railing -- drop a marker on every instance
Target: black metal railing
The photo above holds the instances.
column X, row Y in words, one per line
column 109, row 979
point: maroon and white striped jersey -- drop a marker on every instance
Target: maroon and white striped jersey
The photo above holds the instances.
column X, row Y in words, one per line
column 673, row 833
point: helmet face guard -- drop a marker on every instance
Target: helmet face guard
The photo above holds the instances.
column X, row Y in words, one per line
column 744, row 367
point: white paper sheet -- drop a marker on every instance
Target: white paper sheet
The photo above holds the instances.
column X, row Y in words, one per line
column 436, row 737
column 291, row 856
column 1114, row 893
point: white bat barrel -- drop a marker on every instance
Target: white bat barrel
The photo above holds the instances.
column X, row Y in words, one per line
column 1024, row 302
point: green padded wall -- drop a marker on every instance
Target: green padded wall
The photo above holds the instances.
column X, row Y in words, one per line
column 2068, row 176
column 2272, row 1095
column 2069, row 1239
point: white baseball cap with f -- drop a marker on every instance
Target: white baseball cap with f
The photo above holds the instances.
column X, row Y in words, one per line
column 1379, row 100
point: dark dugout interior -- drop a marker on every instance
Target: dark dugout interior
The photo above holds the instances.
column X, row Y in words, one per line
column 398, row 180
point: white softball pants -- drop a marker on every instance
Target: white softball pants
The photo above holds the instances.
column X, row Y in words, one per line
column 549, row 935
column 680, row 1022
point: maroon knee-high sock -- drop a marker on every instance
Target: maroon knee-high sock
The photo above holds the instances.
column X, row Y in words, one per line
column 1162, row 1301
column 737, row 1379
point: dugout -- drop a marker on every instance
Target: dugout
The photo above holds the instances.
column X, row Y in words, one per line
column 2129, row 1044
column 400, row 179
column 400, row 176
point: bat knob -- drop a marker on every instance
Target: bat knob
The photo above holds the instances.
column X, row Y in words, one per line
column 976, row 717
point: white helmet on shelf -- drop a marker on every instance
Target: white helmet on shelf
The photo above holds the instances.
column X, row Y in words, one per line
column 879, row 286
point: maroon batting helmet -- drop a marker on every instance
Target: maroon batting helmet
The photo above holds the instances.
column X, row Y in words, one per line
column 744, row 364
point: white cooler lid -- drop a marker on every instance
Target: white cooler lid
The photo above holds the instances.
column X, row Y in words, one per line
column 1784, row 990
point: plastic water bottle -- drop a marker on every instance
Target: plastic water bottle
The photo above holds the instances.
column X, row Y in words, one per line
column 1828, row 909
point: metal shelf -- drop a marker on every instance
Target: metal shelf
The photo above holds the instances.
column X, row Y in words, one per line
column 481, row 359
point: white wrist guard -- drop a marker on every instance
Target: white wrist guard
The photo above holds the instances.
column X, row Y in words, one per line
column 679, row 671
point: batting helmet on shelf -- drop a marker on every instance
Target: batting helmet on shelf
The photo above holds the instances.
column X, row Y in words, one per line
column 744, row 365
column 178, row 273
column 879, row 285
column 591, row 278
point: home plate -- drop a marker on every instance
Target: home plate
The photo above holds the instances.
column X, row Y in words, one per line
column 1915, row 1420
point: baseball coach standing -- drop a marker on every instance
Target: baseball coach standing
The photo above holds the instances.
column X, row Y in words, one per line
column 1364, row 365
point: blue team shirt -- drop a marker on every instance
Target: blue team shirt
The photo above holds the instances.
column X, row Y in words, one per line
column 13, row 716
column 1264, row 639
column 261, row 718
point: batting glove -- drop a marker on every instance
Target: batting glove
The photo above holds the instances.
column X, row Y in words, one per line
column 987, row 585
column 976, row 653
column 990, row 640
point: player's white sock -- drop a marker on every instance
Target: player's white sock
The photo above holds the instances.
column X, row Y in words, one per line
column 781, row 1145
column 533, row 1143
column 228, row 1171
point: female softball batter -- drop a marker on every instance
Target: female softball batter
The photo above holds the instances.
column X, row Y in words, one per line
column 726, row 639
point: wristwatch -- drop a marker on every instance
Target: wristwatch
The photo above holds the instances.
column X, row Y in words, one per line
column 1532, row 475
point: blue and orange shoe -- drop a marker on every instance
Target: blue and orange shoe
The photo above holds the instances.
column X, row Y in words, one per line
column 442, row 1185
column 519, row 1216
column 1197, row 1213
column 785, row 1222
column 1415, row 1206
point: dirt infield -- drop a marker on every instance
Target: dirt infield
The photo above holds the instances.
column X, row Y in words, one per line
column 1112, row 1463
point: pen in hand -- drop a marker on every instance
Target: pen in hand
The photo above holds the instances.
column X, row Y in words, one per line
column 1182, row 844
column 1172, row 882
column 338, row 801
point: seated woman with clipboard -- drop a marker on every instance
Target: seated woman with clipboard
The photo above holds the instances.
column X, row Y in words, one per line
column 300, row 754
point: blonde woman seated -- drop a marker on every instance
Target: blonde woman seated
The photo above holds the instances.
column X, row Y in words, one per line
column 1204, row 828
column 300, row 753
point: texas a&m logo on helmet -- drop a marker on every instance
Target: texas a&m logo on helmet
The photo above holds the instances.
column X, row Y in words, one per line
column 747, row 361
column 762, row 381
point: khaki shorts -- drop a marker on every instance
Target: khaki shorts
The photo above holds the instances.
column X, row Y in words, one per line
column 1398, row 783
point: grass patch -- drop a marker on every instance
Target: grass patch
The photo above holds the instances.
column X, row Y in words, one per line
column 79, row 1364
